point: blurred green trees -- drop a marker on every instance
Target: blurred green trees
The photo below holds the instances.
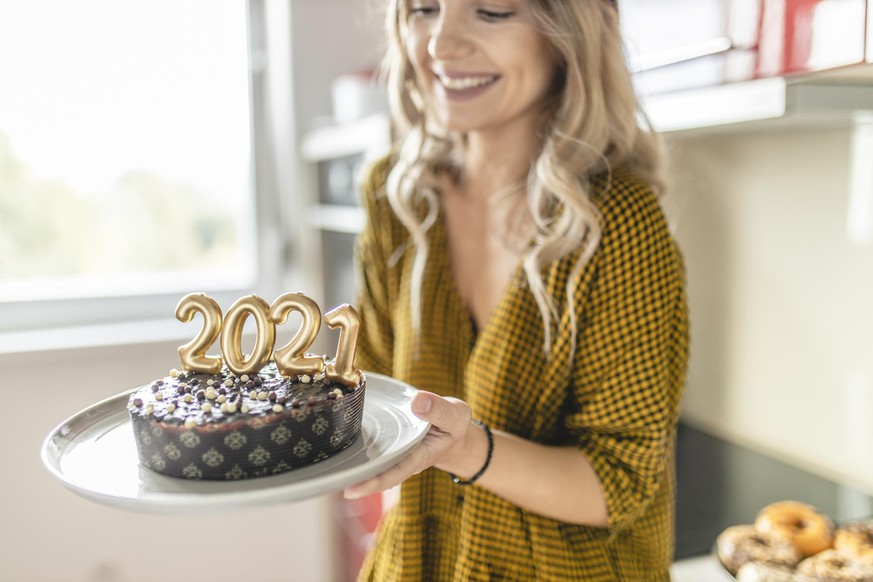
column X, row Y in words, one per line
column 144, row 222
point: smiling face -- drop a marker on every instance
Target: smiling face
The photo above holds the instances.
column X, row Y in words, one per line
column 481, row 65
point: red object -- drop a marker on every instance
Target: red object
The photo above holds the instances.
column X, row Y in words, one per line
column 788, row 30
column 358, row 519
column 798, row 34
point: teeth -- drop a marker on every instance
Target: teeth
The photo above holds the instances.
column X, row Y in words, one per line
column 465, row 82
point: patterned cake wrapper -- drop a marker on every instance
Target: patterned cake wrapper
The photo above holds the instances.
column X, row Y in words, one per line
column 261, row 446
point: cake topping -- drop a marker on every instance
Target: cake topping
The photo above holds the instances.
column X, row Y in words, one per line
column 175, row 403
column 291, row 360
column 342, row 369
column 193, row 354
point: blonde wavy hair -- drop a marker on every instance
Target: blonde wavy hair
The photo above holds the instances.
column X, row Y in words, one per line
column 594, row 124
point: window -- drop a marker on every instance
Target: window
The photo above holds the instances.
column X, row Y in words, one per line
column 126, row 166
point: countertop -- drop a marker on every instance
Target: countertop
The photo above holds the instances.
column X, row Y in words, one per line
column 720, row 484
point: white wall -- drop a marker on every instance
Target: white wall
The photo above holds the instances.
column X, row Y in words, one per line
column 49, row 533
column 781, row 298
column 331, row 37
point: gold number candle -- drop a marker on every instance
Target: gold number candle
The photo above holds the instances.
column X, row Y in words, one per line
column 346, row 319
column 291, row 359
column 193, row 354
column 231, row 335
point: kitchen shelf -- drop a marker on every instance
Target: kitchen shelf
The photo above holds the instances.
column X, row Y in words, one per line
column 834, row 99
column 826, row 100
column 369, row 136
column 336, row 218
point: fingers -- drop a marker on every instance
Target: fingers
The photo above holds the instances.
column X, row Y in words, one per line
column 449, row 419
column 414, row 463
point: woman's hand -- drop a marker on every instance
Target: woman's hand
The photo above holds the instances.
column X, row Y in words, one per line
column 449, row 444
column 533, row 476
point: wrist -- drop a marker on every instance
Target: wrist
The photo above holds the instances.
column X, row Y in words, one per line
column 480, row 440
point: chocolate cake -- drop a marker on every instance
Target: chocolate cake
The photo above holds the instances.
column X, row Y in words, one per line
column 226, row 426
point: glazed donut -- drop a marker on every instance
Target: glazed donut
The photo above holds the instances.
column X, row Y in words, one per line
column 758, row 572
column 834, row 566
column 856, row 539
column 810, row 530
column 744, row 543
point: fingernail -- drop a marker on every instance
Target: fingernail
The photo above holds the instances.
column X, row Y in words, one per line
column 421, row 405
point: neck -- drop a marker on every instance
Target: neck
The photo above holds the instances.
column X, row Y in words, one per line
column 495, row 161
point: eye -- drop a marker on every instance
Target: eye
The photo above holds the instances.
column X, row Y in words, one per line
column 494, row 16
column 423, row 10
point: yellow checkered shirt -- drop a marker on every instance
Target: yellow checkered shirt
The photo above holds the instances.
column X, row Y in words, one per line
column 619, row 401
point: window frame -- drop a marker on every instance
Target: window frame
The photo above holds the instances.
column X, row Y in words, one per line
column 27, row 325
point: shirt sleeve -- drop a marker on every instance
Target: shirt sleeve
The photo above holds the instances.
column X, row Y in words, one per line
column 372, row 254
column 631, row 354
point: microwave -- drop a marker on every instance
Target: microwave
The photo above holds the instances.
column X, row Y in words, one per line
column 679, row 44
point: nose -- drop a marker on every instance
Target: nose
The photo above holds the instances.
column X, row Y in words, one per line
column 449, row 37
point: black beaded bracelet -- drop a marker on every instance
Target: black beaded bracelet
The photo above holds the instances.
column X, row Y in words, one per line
column 457, row 480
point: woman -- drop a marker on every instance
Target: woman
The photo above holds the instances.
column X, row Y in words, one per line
column 516, row 267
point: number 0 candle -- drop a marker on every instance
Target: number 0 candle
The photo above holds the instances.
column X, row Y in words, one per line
column 231, row 337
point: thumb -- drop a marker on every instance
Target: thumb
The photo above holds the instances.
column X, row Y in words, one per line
column 448, row 414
